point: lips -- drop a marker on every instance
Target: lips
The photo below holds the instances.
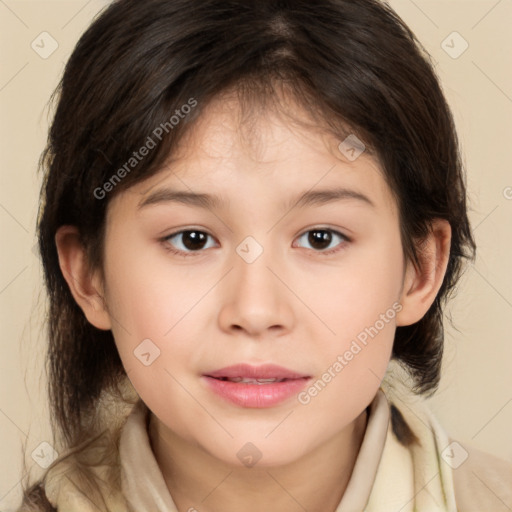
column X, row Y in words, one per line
column 246, row 373
column 255, row 386
column 245, row 380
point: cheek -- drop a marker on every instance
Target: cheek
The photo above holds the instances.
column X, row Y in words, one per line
column 363, row 287
column 359, row 304
column 148, row 293
column 156, row 308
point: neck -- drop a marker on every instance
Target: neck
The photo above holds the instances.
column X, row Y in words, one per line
column 315, row 482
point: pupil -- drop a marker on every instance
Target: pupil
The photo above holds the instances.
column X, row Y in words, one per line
column 323, row 238
column 193, row 240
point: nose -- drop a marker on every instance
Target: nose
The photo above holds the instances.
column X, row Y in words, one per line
column 255, row 298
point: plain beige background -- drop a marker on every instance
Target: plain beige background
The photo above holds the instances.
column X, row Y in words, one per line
column 474, row 402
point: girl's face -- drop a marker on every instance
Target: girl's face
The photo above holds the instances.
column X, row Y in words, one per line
column 265, row 246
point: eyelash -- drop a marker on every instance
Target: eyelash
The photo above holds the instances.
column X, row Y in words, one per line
column 186, row 254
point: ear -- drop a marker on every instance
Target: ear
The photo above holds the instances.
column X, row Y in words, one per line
column 86, row 286
column 422, row 284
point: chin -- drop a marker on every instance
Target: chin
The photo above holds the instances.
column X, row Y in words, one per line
column 258, row 453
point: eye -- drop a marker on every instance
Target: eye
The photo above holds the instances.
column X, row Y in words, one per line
column 321, row 240
column 187, row 242
column 190, row 241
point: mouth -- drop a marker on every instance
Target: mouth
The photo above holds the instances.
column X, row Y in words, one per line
column 247, row 380
column 250, row 374
column 255, row 386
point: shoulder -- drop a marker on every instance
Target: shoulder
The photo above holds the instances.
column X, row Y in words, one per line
column 481, row 480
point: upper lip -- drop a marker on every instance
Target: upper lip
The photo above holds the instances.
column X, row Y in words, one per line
column 266, row 371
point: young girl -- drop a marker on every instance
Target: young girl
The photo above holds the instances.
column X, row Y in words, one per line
column 252, row 215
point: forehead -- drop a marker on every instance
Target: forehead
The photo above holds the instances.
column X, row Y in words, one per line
column 235, row 151
column 265, row 131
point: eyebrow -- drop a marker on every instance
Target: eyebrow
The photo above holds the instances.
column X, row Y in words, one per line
column 210, row 202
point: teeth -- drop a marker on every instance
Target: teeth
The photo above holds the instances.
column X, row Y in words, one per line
column 253, row 381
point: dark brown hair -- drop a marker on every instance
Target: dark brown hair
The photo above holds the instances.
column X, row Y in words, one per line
column 352, row 63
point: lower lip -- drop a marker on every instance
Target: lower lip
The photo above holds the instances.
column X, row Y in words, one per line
column 256, row 395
